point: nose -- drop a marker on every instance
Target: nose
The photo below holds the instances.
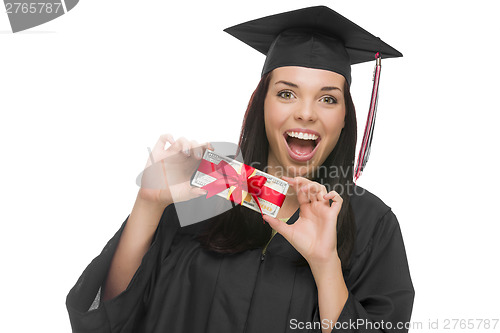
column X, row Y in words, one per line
column 305, row 112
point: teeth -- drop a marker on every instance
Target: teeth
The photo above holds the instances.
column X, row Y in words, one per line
column 303, row 136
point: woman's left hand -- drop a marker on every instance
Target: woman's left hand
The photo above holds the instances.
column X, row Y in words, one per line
column 314, row 234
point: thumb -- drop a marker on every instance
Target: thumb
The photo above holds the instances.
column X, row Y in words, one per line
column 197, row 192
column 280, row 226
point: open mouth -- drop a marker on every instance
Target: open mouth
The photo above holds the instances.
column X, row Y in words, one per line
column 301, row 144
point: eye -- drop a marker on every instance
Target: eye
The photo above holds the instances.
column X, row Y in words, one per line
column 286, row 94
column 329, row 100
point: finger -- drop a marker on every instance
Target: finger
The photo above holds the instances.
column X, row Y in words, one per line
column 175, row 147
column 197, row 192
column 184, row 146
column 208, row 145
column 302, row 179
column 330, row 195
column 303, row 194
column 313, row 191
column 164, row 138
column 334, row 196
column 321, row 192
column 196, row 149
column 161, row 143
column 280, row 226
column 158, row 151
column 291, row 181
column 336, row 200
column 296, row 181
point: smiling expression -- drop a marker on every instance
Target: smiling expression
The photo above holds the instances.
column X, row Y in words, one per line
column 304, row 112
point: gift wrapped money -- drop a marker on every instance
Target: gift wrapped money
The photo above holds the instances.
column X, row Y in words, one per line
column 240, row 183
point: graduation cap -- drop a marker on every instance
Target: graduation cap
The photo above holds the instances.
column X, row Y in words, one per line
column 318, row 37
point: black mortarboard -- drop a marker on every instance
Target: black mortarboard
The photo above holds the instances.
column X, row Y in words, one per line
column 317, row 37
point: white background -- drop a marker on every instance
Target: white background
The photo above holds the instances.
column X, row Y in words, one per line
column 83, row 96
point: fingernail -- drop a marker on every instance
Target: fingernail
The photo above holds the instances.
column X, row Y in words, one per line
column 198, row 154
column 186, row 151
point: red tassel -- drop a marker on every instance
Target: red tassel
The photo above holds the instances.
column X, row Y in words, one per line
column 364, row 150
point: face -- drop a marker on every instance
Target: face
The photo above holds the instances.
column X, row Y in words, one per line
column 304, row 112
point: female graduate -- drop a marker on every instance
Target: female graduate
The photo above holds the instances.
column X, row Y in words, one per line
column 332, row 261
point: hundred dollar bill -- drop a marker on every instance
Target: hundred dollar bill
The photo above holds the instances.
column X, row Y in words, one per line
column 201, row 179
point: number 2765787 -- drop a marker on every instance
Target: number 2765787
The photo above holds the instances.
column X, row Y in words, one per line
column 33, row 7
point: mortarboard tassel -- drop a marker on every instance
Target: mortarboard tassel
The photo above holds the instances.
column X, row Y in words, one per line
column 364, row 150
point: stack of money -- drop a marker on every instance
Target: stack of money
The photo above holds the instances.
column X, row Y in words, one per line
column 201, row 179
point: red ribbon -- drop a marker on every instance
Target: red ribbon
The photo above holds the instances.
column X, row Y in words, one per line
column 226, row 176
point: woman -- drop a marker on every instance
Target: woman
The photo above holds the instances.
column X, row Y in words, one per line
column 337, row 264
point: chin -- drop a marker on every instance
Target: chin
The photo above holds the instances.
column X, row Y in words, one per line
column 295, row 170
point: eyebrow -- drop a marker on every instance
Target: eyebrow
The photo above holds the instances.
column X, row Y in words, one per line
column 288, row 83
column 293, row 85
column 330, row 88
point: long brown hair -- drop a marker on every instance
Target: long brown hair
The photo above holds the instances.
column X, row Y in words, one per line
column 226, row 236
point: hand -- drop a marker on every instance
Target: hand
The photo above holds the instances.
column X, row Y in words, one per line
column 166, row 177
column 314, row 234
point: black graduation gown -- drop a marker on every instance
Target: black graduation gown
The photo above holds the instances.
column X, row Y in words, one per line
column 180, row 287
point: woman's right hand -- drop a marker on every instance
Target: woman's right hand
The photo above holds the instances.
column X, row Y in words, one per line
column 166, row 177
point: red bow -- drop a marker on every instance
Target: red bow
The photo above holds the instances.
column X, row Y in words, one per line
column 225, row 177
